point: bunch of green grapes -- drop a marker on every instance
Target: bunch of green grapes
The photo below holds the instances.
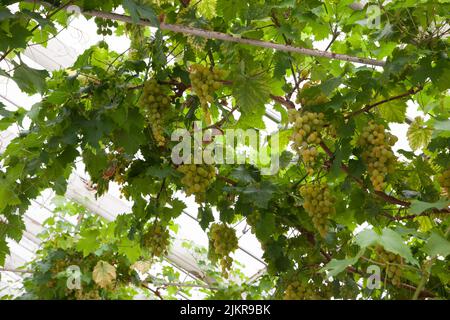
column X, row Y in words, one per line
column 377, row 153
column 137, row 37
column 205, row 82
column 444, row 181
column 156, row 239
column 104, row 26
column 393, row 263
column 320, row 99
column 117, row 164
column 299, row 290
column 319, row 203
column 307, row 134
column 252, row 220
column 223, row 241
column 155, row 105
column 89, row 295
column 197, row 179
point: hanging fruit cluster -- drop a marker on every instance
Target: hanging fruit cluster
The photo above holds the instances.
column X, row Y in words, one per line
column 117, row 164
column 223, row 241
column 252, row 220
column 138, row 46
column 377, row 153
column 89, row 295
column 197, row 179
column 319, row 203
column 444, row 181
column 205, row 82
column 320, row 99
column 307, row 128
column 393, row 263
column 104, row 26
column 155, row 105
column 156, row 239
column 299, row 290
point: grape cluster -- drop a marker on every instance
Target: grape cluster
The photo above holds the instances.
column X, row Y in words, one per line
column 205, row 81
column 138, row 44
column 252, row 220
column 89, row 295
column 156, row 239
column 307, row 133
column 117, row 164
column 378, row 154
column 223, row 241
column 319, row 203
column 197, row 178
column 320, row 99
column 393, row 264
column 299, row 290
column 155, row 105
column 104, row 26
column 444, row 181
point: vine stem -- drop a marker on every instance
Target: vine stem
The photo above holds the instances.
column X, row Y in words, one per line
column 426, row 273
column 369, row 107
column 214, row 35
column 380, row 194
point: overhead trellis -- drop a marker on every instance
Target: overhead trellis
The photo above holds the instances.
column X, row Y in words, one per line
column 207, row 34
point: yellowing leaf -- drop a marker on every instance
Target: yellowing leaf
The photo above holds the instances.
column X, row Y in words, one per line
column 418, row 134
column 104, row 274
column 142, row 266
column 207, row 8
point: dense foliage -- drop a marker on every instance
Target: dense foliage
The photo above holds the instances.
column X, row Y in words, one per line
column 116, row 112
column 97, row 263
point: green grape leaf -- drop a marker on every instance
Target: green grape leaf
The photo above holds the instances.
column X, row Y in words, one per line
column 335, row 266
column 417, row 207
column 419, row 135
column 229, row 9
column 251, row 92
column 436, row 245
column 138, row 11
column 7, row 195
column 30, row 80
column 129, row 249
column 259, row 194
column 88, row 242
column 366, row 238
column 4, row 250
column 205, row 216
column 389, row 239
column 10, row 117
column 394, row 111
column 265, row 227
column 393, row 242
